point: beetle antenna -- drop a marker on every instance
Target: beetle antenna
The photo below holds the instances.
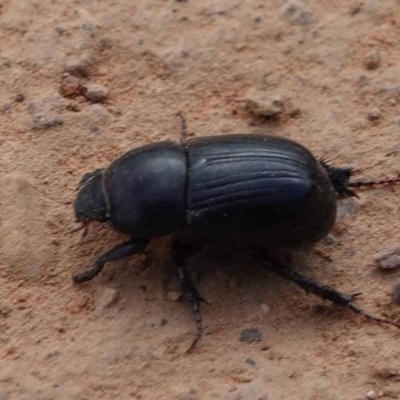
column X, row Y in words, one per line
column 183, row 127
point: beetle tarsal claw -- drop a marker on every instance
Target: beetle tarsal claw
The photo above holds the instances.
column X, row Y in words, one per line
column 77, row 228
column 194, row 299
column 364, row 314
column 194, row 343
column 83, row 226
column 205, row 301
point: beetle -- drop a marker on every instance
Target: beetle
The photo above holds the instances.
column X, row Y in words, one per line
column 259, row 188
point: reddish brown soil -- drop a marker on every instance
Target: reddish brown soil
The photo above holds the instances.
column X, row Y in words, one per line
column 108, row 339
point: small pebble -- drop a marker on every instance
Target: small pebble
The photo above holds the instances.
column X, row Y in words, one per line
column 19, row 98
column 362, row 80
column 107, row 297
column 43, row 121
column 70, row 85
column 347, row 207
column 387, row 372
column 240, row 47
column 173, row 295
column 396, row 292
column 374, row 115
column 372, row 60
column 294, row 111
column 80, row 68
column 53, row 353
column 190, row 394
column 115, row 110
column 88, row 27
column 59, row 30
column 355, row 10
column 388, row 258
column 395, row 91
column 95, row 93
column 78, row 304
column 297, row 12
column 250, row 362
column 45, row 111
column 94, row 128
column 261, row 105
column 371, row 395
column 75, row 107
column 96, row 113
column 250, row 335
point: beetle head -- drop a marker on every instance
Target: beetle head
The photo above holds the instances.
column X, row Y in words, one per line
column 340, row 179
column 90, row 202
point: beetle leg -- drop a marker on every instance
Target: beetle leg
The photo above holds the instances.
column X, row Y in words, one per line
column 191, row 293
column 180, row 254
column 134, row 246
column 371, row 183
column 324, row 292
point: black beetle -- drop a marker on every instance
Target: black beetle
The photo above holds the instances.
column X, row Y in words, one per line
column 260, row 188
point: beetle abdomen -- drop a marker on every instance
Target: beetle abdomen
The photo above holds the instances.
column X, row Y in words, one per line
column 258, row 186
column 145, row 190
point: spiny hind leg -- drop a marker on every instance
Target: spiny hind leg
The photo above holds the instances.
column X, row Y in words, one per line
column 323, row 291
column 181, row 252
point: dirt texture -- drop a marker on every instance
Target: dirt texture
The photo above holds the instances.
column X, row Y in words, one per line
column 84, row 81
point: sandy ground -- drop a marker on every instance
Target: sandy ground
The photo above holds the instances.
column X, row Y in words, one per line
column 332, row 72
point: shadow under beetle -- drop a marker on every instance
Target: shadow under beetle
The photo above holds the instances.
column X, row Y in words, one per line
column 262, row 189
